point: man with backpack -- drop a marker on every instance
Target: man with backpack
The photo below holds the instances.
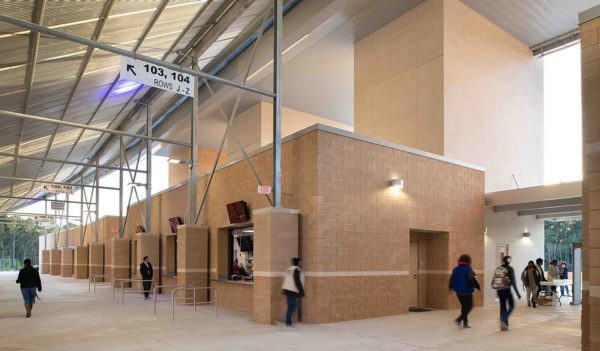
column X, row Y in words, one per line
column 503, row 280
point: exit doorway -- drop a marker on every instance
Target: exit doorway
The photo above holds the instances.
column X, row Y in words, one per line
column 428, row 270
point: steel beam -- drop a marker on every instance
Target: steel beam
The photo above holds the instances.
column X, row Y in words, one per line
column 539, row 204
column 193, row 181
column 121, row 153
column 560, row 209
column 559, row 215
column 27, row 214
column 37, row 199
column 118, row 51
column 277, row 106
column 53, row 160
column 97, row 229
column 85, row 126
column 148, row 217
column 62, row 183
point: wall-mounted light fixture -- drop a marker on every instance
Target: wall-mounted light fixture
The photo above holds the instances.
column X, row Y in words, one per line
column 178, row 161
column 397, row 183
column 527, row 235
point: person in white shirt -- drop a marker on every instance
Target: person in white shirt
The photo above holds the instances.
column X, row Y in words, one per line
column 293, row 289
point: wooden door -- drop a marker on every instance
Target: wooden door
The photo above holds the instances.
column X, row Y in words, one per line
column 413, row 297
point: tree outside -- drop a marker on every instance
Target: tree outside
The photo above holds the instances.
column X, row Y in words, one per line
column 18, row 241
column 559, row 239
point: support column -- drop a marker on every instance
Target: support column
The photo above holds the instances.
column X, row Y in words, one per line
column 590, row 89
column 45, row 261
column 96, row 259
column 275, row 243
column 55, row 262
column 119, row 257
column 192, row 257
column 66, row 266
column 148, row 245
column 80, row 265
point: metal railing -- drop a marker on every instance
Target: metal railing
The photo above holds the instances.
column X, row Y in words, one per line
column 155, row 293
column 130, row 290
column 94, row 279
column 193, row 298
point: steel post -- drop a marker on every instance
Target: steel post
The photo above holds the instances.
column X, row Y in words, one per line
column 121, row 229
column 193, row 182
column 81, row 189
column 149, row 171
column 67, row 229
column 277, row 62
column 97, row 229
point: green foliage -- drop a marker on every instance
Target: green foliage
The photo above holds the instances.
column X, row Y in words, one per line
column 22, row 234
column 559, row 239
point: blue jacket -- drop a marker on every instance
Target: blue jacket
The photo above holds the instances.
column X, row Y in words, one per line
column 463, row 279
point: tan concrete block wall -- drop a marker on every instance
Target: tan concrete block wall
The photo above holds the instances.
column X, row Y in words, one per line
column 147, row 245
column 45, row 262
column 192, row 258
column 399, row 87
column 275, row 243
column 492, row 81
column 66, row 265
column 55, row 262
column 119, row 260
column 360, row 225
column 80, row 262
column 235, row 295
column 590, row 89
column 96, row 259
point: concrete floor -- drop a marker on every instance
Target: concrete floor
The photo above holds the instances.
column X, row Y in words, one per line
column 70, row 318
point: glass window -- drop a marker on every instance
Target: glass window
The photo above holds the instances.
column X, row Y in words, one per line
column 241, row 251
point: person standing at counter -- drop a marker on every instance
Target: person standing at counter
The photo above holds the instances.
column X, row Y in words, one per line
column 564, row 274
column 293, row 289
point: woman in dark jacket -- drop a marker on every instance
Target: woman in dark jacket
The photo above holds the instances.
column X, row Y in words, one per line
column 464, row 282
column 29, row 278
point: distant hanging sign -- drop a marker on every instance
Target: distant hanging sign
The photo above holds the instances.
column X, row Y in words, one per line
column 58, row 188
column 264, row 189
column 57, row 205
column 44, row 218
column 156, row 76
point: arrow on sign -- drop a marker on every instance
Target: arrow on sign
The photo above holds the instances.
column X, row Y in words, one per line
column 130, row 68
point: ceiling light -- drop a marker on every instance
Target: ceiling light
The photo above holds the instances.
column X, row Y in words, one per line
column 397, row 183
column 178, row 161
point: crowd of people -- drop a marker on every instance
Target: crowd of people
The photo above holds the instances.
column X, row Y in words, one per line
column 463, row 282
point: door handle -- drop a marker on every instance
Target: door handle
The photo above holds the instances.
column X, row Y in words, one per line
column 414, row 276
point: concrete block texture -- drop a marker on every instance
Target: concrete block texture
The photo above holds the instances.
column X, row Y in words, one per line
column 80, row 262
column 45, row 269
column 55, row 262
column 119, row 257
column 275, row 243
column 147, row 245
column 590, row 59
column 96, row 259
column 192, row 258
column 66, row 265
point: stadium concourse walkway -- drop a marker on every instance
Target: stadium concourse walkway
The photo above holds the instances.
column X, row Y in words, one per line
column 70, row 318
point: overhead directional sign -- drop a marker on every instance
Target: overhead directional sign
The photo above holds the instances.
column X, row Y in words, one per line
column 44, row 218
column 58, row 188
column 156, row 76
column 57, row 205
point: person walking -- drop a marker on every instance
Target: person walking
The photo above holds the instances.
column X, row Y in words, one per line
column 531, row 281
column 463, row 282
column 146, row 272
column 503, row 280
column 564, row 274
column 293, row 288
column 29, row 278
column 539, row 264
column 553, row 274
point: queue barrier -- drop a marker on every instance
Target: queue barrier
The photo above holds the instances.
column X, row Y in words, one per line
column 193, row 298
column 94, row 279
column 130, row 290
column 155, row 293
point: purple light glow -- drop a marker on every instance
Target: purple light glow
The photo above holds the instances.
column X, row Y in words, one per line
column 124, row 86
